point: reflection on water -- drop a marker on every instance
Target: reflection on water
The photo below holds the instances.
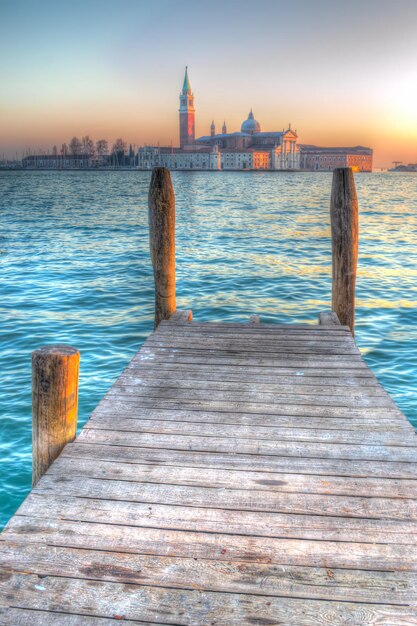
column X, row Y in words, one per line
column 76, row 269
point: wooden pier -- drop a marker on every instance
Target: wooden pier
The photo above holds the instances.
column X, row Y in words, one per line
column 234, row 475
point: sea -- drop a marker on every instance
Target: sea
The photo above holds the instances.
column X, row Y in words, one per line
column 75, row 269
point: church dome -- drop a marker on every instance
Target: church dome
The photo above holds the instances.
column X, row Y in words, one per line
column 250, row 125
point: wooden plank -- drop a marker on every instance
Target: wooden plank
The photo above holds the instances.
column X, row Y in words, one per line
column 250, row 394
column 230, row 373
column 384, row 424
column 23, row 617
column 237, row 499
column 253, row 338
column 249, row 446
column 219, row 478
column 191, row 606
column 263, row 328
column 220, row 520
column 295, row 384
column 213, row 546
column 304, row 409
column 223, row 348
column 301, row 361
column 191, row 458
column 226, row 377
column 261, row 331
column 261, row 432
column 262, row 579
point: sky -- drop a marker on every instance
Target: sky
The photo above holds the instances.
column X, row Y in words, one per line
column 342, row 73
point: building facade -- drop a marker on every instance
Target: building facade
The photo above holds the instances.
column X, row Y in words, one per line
column 325, row 159
column 58, row 161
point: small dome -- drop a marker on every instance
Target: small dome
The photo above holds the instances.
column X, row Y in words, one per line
column 250, row 125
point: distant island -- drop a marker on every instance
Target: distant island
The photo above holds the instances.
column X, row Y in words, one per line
column 248, row 149
column 411, row 167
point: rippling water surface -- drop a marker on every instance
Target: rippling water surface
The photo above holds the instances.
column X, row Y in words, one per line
column 76, row 269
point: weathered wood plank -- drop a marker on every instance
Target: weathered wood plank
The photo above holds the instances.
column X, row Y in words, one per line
column 296, row 410
column 229, row 379
column 295, row 384
column 218, row 520
column 261, row 579
column 213, row 326
column 252, row 337
column 237, row 431
column 253, row 351
column 212, row 546
column 229, row 479
column 191, row 606
column 22, row 617
column 248, row 446
column 192, row 458
column 230, row 373
column 257, row 331
column 385, row 424
column 238, row 499
column 250, row 394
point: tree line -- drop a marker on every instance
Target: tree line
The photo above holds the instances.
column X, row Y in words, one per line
column 87, row 147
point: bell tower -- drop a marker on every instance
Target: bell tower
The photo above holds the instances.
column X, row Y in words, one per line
column 187, row 113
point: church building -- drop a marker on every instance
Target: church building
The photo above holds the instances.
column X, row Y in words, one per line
column 249, row 148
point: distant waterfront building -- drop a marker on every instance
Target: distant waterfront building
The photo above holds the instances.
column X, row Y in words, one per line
column 80, row 161
column 57, row 161
column 250, row 148
column 324, row 159
column 400, row 167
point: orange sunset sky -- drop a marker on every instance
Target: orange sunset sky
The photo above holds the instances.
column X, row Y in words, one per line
column 341, row 73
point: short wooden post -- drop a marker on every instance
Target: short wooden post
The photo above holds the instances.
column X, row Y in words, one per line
column 161, row 201
column 344, row 225
column 55, row 372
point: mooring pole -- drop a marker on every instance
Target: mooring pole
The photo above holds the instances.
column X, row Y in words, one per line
column 55, row 371
column 161, row 201
column 344, row 225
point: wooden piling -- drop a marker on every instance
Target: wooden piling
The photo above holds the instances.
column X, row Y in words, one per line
column 344, row 225
column 55, row 372
column 161, row 201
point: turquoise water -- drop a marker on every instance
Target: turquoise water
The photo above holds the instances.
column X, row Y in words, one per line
column 76, row 269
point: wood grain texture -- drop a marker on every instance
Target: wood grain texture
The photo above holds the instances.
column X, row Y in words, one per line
column 345, row 232
column 55, row 371
column 181, row 317
column 329, row 318
column 234, row 475
column 161, row 202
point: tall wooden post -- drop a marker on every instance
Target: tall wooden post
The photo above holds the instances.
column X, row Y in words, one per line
column 55, row 372
column 344, row 225
column 161, row 201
